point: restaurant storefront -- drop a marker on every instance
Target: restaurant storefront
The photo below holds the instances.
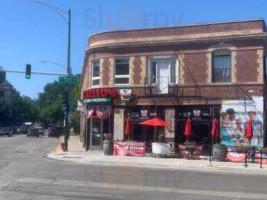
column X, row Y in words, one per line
column 99, row 106
column 201, row 117
column 108, row 110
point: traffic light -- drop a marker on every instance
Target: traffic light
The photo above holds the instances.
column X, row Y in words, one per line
column 28, row 71
column 64, row 99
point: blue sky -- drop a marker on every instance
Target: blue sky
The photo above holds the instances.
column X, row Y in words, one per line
column 31, row 33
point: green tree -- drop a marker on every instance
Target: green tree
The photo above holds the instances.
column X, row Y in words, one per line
column 16, row 109
column 50, row 104
column 75, row 96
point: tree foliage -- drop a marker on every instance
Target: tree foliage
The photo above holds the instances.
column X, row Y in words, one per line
column 50, row 103
column 18, row 109
column 47, row 109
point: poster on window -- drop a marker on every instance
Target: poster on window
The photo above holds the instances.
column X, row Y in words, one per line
column 239, row 116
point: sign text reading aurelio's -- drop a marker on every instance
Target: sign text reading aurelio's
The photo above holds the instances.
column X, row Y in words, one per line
column 99, row 93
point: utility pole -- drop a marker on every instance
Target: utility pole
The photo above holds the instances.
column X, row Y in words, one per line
column 67, row 129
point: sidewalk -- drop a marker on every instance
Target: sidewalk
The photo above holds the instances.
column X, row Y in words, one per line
column 96, row 157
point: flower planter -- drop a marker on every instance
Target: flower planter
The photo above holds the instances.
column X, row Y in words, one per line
column 190, row 151
column 108, row 147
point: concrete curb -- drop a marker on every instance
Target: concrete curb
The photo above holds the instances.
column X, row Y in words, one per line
column 156, row 163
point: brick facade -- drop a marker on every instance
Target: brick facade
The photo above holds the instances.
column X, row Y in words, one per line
column 194, row 58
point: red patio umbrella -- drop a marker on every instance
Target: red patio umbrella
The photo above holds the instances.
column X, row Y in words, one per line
column 188, row 128
column 249, row 130
column 155, row 122
column 127, row 130
column 215, row 128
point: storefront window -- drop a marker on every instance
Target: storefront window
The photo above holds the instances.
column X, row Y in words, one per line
column 122, row 71
column 95, row 73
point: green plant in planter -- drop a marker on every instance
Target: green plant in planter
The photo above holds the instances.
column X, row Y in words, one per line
column 241, row 147
column 161, row 139
column 108, row 136
column 189, row 144
column 264, row 150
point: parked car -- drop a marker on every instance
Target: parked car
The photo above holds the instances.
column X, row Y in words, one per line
column 6, row 131
column 33, row 131
column 22, row 130
column 40, row 130
column 14, row 129
column 55, row 131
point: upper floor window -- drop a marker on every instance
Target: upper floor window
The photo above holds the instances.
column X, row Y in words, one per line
column 122, row 71
column 221, row 66
column 95, row 72
column 162, row 72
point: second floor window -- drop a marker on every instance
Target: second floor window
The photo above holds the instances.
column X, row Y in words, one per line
column 95, row 73
column 221, row 66
column 162, row 72
column 122, row 71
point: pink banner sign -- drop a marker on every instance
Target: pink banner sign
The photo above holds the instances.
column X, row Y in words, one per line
column 129, row 149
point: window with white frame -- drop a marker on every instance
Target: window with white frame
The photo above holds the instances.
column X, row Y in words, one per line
column 122, row 71
column 221, row 66
column 95, row 72
column 162, row 72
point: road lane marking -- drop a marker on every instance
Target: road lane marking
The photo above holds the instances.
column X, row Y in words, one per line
column 238, row 195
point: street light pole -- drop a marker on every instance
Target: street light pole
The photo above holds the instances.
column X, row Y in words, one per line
column 67, row 130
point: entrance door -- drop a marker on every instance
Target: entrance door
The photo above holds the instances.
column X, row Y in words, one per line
column 163, row 76
column 96, row 133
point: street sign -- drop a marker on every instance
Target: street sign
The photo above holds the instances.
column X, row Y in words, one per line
column 67, row 79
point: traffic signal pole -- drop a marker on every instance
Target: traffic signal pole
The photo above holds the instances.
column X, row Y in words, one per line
column 40, row 73
column 67, row 129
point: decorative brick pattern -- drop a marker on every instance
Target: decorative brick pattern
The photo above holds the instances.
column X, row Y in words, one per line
column 143, row 72
column 105, row 71
column 111, row 71
column 131, row 70
column 260, row 66
column 233, row 67
column 181, row 69
column 137, row 70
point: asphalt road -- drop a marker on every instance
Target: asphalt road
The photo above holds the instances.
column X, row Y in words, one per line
column 26, row 174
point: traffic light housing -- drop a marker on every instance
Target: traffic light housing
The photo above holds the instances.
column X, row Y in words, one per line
column 64, row 99
column 28, row 71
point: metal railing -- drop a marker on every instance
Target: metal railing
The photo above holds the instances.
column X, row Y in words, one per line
column 169, row 85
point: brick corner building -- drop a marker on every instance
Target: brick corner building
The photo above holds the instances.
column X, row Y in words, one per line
column 199, row 72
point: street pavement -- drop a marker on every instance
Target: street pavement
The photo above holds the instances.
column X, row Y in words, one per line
column 27, row 174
